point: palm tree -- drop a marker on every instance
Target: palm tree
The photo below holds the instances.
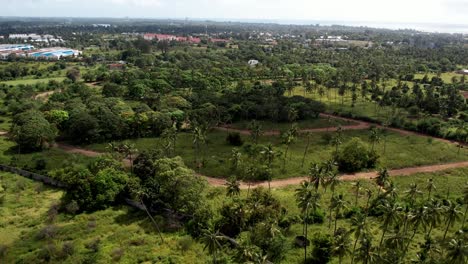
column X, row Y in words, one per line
column 457, row 251
column 337, row 204
column 391, row 215
column 317, row 176
column 235, row 159
column 341, row 244
column 170, row 137
column 417, row 218
column 198, row 139
column 306, row 198
column 369, row 196
column 374, row 136
column 255, row 131
column 452, row 214
column 465, row 201
column 333, row 180
column 382, row 179
column 412, row 193
column 338, row 138
column 232, row 187
column 359, row 226
column 430, row 187
column 357, row 186
column 366, row 253
column 391, row 192
column 433, row 214
column 287, row 139
column 306, row 149
column 212, row 242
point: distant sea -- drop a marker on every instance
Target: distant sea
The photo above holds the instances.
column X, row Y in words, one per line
column 425, row 27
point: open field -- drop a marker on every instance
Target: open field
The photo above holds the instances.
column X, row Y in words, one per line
column 400, row 151
column 127, row 236
column 32, row 81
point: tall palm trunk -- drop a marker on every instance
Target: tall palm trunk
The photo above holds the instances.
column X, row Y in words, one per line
column 305, row 151
column 381, row 239
column 464, row 217
column 354, row 249
column 449, row 221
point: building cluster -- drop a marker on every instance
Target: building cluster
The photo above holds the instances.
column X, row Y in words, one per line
column 36, row 38
column 189, row 39
column 29, row 51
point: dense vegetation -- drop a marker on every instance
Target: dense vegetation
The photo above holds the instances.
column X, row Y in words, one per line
column 167, row 114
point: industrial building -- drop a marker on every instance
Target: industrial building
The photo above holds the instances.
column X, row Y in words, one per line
column 29, row 51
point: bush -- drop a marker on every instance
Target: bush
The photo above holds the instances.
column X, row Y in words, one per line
column 117, row 254
column 316, row 217
column 93, row 245
column 322, row 251
column 355, row 156
column 234, row 139
column 185, row 243
column 47, row 232
column 68, row 249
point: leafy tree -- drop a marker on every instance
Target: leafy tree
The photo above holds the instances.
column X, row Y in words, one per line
column 355, row 156
column 31, row 131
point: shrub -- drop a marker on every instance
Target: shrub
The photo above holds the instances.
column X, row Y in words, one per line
column 185, row 243
column 3, row 250
column 72, row 207
column 355, row 156
column 48, row 252
column 234, row 139
column 93, row 245
column 68, row 249
column 47, row 232
column 315, row 217
column 322, row 251
column 117, row 254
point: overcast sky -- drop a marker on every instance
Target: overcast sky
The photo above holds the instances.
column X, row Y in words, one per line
column 396, row 11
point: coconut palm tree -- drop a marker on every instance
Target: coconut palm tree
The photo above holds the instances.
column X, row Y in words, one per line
column 465, row 201
column 433, row 214
column 374, row 137
column 391, row 215
column 341, row 245
column 457, row 251
column 430, row 187
column 391, row 192
column 255, row 131
column 307, row 198
column 396, row 242
column 417, row 218
column 412, row 193
column 198, row 139
column 452, row 214
column 232, row 187
column 287, row 139
column 236, row 159
column 338, row 138
column 357, row 187
column 317, row 176
column 369, row 196
column 359, row 226
column 337, row 204
column 382, row 179
column 366, row 253
column 332, row 181
column 212, row 240
column 308, row 134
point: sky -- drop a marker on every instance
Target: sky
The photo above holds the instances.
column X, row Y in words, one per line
column 388, row 11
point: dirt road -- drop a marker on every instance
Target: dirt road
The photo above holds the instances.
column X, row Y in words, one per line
column 216, row 182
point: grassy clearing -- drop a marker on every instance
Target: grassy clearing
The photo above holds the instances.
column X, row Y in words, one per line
column 32, row 81
column 125, row 235
column 303, row 124
column 446, row 76
column 401, row 151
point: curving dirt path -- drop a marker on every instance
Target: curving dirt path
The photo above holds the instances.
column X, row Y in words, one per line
column 216, row 182
column 360, row 126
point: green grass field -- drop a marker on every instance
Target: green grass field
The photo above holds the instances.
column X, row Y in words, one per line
column 401, row 151
column 303, row 124
column 32, row 81
column 127, row 236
